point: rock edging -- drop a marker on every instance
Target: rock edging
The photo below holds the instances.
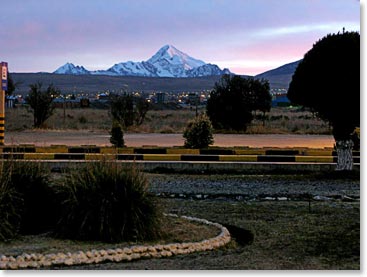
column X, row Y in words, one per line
column 118, row 255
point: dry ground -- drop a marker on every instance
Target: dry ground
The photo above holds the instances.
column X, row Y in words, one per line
column 279, row 121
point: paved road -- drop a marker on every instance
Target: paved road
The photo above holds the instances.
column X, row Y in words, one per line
column 46, row 138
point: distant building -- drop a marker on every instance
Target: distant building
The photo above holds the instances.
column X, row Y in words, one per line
column 280, row 100
column 10, row 101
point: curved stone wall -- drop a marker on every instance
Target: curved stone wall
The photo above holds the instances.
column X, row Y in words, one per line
column 118, row 255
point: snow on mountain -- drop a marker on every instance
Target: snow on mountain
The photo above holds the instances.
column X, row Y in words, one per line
column 207, row 70
column 132, row 69
column 171, row 62
column 167, row 62
column 70, row 68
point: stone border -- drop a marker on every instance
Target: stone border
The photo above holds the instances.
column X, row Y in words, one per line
column 118, row 255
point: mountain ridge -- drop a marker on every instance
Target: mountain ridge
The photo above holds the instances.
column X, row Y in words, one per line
column 168, row 61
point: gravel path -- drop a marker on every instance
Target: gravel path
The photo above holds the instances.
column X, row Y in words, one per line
column 252, row 187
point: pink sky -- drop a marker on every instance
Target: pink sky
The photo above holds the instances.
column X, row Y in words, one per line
column 246, row 36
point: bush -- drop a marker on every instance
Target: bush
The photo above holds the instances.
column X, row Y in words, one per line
column 199, row 133
column 107, row 202
column 117, row 135
column 26, row 199
column 82, row 119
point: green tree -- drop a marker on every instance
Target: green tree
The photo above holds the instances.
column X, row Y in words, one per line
column 41, row 101
column 233, row 100
column 327, row 81
column 199, row 133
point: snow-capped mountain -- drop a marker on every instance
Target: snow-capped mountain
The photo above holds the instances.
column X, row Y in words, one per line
column 167, row 62
column 70, row 68
column 171, row 62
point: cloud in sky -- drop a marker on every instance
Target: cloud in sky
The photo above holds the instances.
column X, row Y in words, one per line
column 248, row 36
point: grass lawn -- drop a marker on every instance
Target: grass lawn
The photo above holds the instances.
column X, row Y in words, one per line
column 286, row 235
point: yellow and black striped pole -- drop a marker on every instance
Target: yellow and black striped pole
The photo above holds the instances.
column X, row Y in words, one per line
column 2, row 117
column 4, row 86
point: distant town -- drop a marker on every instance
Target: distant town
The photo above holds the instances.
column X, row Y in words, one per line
column 180, row 100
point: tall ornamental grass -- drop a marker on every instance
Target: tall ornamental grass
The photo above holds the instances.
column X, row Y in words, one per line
column 10, row 202
column 108, row 202
column 26, row 199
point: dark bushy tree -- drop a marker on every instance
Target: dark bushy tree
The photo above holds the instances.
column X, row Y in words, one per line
column 41, row 101
column 233, row 100
column 327, row 81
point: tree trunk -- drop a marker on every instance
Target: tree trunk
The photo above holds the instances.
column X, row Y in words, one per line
column 344, row 149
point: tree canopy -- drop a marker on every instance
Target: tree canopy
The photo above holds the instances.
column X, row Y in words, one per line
column 327, row 81
column 233, row 100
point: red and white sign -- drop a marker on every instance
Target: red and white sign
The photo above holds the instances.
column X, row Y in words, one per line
column 4, row 75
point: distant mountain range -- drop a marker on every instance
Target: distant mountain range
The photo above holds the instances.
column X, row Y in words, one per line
column 167, row 62
column 280, row 77
column 190, row 75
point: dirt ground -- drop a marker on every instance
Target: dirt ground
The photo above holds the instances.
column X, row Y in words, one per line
column 101, row 138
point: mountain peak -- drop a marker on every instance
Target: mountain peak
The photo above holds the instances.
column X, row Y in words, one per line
column 70, row 68
column 170, row 55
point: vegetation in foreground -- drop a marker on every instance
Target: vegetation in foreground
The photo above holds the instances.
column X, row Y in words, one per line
column 101, row 201
column 108, row 202
column 286, row 236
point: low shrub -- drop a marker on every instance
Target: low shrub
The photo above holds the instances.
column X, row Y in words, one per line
column 108, row 202
column 199, row 133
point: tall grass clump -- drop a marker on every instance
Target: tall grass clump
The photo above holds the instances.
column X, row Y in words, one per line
column 107, row 202
column 31, row 181
column 10, row 202
column 26, row 199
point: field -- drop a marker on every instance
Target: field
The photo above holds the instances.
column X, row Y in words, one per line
column 278, row 121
